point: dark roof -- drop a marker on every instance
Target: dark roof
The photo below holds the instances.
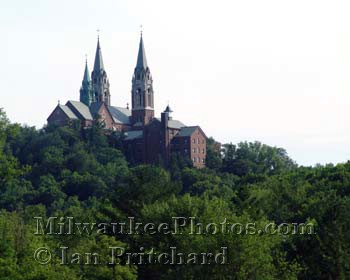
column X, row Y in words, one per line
column 81, row 108
column 95, row 107
column 141, row 57
column 173, row 123
column 134, row 134
column 168, row 109
column 187, row 131
column 120, row 115
column 98, row 65
column 67, row 111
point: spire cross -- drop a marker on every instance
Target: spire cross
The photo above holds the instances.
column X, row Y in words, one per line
column 98, row 34
column 86, row 58
column 141, row 29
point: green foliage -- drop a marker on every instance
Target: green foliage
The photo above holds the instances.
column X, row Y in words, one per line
column 255, row 158
column 214, row 158
column 83, row 173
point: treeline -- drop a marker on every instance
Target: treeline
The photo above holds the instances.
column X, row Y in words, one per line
column 85, row 174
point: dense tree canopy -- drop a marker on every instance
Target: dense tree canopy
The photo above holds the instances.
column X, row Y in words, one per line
column 86, row 174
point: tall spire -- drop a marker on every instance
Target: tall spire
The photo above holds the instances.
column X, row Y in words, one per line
column 99, row 78
column 86, row 93
column 141, row 57
column 98, row 66
column 86, row 73
column 142, row 90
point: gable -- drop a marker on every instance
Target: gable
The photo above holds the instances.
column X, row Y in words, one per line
column 79, row 109
column 104, row 114
column 60, row 113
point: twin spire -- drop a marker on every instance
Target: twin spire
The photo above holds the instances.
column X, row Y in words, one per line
column 141, row 57
column 96, row 89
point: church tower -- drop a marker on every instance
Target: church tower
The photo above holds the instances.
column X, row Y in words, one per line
column 86, row 92
column 142, row 90
column 100, row 83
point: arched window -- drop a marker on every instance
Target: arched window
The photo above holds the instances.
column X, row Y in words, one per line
column 140, row 100
column 138, row 97
column 149, row 96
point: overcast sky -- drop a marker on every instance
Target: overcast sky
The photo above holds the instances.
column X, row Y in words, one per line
column 273, row 71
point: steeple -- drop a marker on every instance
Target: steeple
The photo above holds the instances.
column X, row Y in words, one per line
column 141, row 57
column 86, row 77
column 142, row 89
column 86, row 93
column 98, row 65
column 99, row 78
column 168, row 109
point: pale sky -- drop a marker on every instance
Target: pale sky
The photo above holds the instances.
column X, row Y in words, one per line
column 273, row 71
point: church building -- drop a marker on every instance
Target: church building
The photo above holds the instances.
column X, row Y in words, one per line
column 149, row 137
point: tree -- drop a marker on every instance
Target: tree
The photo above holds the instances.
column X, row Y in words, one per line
column 255, row 158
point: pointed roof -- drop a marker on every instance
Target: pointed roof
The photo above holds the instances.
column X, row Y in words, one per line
column 168, row 109
column 141, row 57
column 98, row 58
column 80, row 109
column 86, row 73
column 120, row 115
column 67, row 111
column 187, row 131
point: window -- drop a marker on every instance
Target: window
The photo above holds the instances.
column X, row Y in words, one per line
column 194, row 150
column 198, row 150
column 140, row 100
column 203, row 151
column 194, row 159
column 203, row 160
column 203, row 141
column 199, row 160
column 149, row 97
column 197, row 140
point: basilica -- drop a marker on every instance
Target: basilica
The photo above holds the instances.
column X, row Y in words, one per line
column 149, row 137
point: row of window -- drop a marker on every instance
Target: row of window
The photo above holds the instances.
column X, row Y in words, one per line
column 198, row 150
column 198, row 159
column 139, row 100
column 194, row 141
